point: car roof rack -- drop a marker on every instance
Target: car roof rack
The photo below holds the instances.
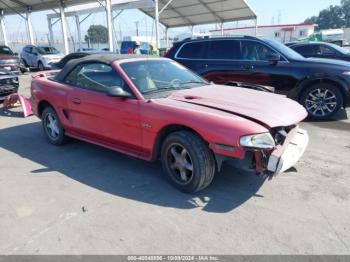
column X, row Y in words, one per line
column 217, row 36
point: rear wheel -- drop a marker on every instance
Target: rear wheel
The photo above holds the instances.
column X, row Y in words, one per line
column 322, row 101
column 52, row 126
column 187, row 161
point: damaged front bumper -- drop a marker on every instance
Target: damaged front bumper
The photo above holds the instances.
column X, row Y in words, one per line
column 284, row 156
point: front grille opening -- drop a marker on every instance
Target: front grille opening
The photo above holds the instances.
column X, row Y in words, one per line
column 280, row 134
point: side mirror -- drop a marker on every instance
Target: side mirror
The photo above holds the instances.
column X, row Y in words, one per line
column 273, row 58
column 16, row 54
column 36, row 54
column 117, row 91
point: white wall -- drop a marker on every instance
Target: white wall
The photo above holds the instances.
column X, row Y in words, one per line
column 276, row 32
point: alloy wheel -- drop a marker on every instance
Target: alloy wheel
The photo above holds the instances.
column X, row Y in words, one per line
column 51, row 125
column 180, row 163
column 321, row 102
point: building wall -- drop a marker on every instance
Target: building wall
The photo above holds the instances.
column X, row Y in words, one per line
column 283, row 33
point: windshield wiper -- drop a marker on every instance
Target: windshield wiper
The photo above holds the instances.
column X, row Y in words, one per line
column 159, row 89
column 193, row 82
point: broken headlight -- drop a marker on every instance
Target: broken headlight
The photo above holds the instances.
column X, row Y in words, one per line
column 258, row 141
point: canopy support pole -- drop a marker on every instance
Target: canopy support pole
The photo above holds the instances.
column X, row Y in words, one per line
column 29, row 25
column 114, row 31
column 256, row 26
column 64, row 28
column 166, row 38
column 109, row 25
column 50, row 31
column 3, row 28
column 77, row 22
column 156, row 16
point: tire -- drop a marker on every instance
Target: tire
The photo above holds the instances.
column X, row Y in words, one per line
column 193, row 157
column 41, row 66
column 24, row 62
column 322, row 101
column 54, row 132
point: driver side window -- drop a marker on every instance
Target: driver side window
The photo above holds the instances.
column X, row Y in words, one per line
column 255, row 51
column 95, row 77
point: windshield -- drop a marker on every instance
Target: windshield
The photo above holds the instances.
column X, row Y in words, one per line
column 47, row 50
column 4, row 50
column 154, row 76
column 340, row 49
column 284, row 50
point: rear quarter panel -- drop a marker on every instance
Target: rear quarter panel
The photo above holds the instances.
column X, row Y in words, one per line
column 54, row 93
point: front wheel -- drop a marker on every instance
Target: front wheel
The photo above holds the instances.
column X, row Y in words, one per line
column 322, row 101
column 41, row 66
column 187, row 161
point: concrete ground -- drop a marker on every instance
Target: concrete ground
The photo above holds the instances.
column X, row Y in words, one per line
column 84, row 199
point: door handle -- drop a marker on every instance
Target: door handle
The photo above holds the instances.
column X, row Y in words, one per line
column 247, row 67
column 76, row 101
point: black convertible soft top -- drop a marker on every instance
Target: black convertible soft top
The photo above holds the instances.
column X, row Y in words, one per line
column 107, row 58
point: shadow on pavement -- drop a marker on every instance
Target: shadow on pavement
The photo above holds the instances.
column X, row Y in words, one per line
column 335, row 123
column 12, row 112
column 124, row 176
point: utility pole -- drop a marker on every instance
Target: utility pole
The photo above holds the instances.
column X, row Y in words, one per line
column 137, row 27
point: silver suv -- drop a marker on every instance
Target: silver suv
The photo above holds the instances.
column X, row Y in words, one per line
column 41, row 57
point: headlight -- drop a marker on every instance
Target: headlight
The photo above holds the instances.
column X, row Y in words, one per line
column 347, row 73
column 260, row 141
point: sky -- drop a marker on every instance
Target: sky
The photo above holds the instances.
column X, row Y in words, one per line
column 268, row 12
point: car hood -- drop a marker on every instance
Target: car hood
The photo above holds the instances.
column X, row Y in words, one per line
column 268, row 109
column 8, row 57
column 53, row 56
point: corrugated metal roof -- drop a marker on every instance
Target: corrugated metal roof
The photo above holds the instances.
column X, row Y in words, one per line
column 196, row 12
column 13, row 6
column 178, row 12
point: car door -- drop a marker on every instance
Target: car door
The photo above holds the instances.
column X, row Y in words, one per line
column 113, row 121
column 191, row 55
column 220, row 61
column 257, row 58
column 35, row 56
column 27, row 55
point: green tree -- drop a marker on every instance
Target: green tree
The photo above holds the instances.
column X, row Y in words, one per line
column 334, row 16
column 346, row 12
column 97, row 34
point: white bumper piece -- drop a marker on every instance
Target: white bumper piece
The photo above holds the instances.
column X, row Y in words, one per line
column 287, row 155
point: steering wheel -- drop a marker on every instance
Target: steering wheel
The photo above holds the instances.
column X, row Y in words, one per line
column 175, row 82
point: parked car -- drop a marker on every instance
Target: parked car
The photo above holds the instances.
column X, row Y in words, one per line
column 10, row 61
column 322, row 50
column 60, row 64
column 8, row 83
column 40, row 57
column 127, row 47
column 153, row 108
column 86, row 49
column 321, row 86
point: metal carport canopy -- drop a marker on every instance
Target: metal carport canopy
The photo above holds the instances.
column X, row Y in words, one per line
column 177, row 13
column 11, row 7
column 170, row 13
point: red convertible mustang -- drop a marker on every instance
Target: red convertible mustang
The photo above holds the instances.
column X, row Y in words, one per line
column 154, row 108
